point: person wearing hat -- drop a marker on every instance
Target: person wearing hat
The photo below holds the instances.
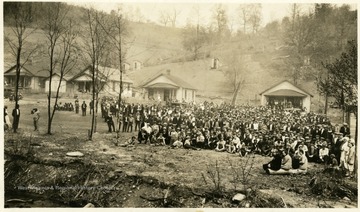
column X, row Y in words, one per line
column 174, row 136
column 36, row 116
column 160, row 139
column 275, row 163
column 351, row 158
column 337, row 142
column 312, row 153
column 345, row 130
column 187, row 144
column 323, row 154
column 110, row 122
column 344, row 150
column 200, row 140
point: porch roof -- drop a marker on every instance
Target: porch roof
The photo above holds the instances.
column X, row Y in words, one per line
column 285, row 92
column 162, row 85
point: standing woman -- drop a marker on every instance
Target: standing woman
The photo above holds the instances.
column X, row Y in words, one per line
column 16, row 117
column 36, row 116
column 7, row 122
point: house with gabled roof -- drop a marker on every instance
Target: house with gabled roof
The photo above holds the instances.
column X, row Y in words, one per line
column 167, row 87
column 287, row 95
column 31, row 79
column 110, row 77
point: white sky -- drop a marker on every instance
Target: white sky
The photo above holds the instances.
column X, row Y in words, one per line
column 151, row 9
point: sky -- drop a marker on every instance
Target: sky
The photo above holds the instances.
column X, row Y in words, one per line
column 151, row 9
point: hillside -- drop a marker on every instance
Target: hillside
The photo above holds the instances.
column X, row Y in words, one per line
column 160, row 49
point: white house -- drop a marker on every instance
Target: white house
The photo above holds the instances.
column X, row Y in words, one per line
column 108, row 79
column 287, row 94
column 164, row 87
column 55, row 83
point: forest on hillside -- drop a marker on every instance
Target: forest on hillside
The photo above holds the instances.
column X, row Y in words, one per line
column 297, row 47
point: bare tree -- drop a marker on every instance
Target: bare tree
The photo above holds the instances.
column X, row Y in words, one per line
column 164, row 18
column 221, row 21
column 255, row 17
column 117, row 33
column 244, row 15
column 61, row 34
column 139, row 17
column 194, row 38
column 96, row 45
column 173, row 17
column 235, row 68
column 300, row 34
column 53, row 29
column 21, row 23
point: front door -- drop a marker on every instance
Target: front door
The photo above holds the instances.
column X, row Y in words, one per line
column 166, row 94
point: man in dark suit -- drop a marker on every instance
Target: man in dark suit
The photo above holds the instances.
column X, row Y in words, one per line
column 83, row 108
column 323, row 131
column 16, row 117
column 345, row 130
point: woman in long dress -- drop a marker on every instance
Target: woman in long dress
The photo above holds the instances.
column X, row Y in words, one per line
column 7, row 122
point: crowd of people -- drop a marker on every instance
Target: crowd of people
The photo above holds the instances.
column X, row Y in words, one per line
column 292, row 137
column 67, row 106
column 268, row 131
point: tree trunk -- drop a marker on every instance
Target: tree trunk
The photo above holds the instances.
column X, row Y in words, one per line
column 356, row 138
column 18, row 68
column 235, row 94
column 49, row 93
column 326, row 104
column 93, row 97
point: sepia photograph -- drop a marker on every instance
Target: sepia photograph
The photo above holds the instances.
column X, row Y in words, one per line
column 194, row 105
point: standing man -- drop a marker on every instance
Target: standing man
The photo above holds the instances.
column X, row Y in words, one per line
column 345, row 130
column 91, row 106
column 77, row 106
column 125, row 122
column 137, row 120
column 130, row 123
column 83, row 108
column 110, row 123
column 36, row 116
column 16, row 117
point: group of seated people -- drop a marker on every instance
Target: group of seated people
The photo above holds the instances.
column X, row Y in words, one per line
column 263, row 130
column 64, row 107
column 285, row 161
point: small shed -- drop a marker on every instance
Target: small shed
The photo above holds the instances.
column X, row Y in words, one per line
column 137, row 65
column 288, row 95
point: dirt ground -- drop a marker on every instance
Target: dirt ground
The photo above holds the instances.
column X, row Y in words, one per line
column 133, row 166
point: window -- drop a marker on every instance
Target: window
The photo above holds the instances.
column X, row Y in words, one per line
column 215, row 63
column 113, row 86
column 151, row 93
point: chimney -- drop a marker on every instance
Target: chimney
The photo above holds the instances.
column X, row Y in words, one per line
column 168, row 71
